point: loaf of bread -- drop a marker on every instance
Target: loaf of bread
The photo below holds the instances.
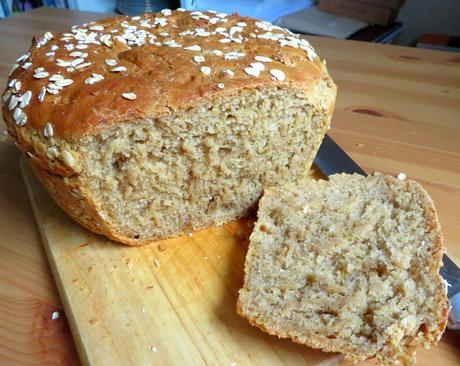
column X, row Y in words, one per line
column 150, row 126
column 349, row 265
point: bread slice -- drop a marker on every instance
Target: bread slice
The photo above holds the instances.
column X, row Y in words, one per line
column 349, row 265
column 151, row 126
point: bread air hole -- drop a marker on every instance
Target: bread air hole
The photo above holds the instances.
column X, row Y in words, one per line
column 264, row 229
column 329, row 312
column 382, row 270
column 231, row 117
column 423, row 328
column 368, row 337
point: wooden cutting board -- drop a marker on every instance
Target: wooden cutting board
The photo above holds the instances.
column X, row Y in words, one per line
column 170, row 303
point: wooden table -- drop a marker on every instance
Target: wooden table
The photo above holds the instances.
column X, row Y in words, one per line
column 398, row 110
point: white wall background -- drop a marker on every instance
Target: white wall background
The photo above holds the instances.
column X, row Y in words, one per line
column 428, row 16
column 418, row 16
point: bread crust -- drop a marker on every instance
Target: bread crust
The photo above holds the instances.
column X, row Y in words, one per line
column 438, row 252
column 163, row 78
column 320, row 342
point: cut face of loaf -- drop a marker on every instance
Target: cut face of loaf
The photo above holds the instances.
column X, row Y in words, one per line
column 149, row 179
column 349, row 265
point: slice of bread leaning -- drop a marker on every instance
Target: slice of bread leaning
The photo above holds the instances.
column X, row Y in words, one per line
column 349, row 265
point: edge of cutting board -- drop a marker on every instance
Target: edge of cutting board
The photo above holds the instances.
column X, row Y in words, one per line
column 33, row 189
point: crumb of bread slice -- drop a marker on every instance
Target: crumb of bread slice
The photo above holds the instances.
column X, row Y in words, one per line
column 349, row 265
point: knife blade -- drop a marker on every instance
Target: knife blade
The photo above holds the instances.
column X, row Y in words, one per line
column 331, row 159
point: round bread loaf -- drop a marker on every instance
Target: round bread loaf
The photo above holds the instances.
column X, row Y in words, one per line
column 150, row 126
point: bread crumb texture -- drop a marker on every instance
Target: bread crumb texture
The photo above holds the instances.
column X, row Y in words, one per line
column 348, row 265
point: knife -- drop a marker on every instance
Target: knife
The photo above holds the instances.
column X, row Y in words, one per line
column 331, row 159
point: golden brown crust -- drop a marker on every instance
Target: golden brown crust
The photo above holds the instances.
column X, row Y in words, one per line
column 437, row 255
column 70, row 195
column 67, row 193
column 310, row 340
column 163, row 77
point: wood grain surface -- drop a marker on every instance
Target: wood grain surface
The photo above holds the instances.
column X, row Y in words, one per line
column 170, row 303
column 398, row 110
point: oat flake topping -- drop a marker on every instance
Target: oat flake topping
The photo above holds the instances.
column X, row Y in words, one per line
column 129, row 96
column 155, row 50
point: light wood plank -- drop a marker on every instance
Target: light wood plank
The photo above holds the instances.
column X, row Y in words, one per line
column 177, row 295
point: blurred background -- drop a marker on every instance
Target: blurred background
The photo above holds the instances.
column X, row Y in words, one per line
column 421, row 23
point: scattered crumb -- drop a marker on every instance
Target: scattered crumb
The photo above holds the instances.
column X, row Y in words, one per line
column 205, row 258
column 4, row 136
column 90, row 269
column 130, row 265
column 161, row 248
column 143, row 310
column 55, row 315
column 233, row 364
column 218, row 256
column 359, row 144
column 153, row 349
column 446, row 285
column 93, row 321
column 190, row 234
column 401, row 176
column 157, row 263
